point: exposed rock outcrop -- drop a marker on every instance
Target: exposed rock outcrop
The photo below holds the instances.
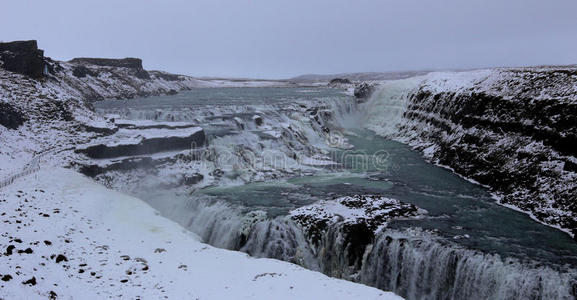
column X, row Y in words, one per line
column 135, row 64
column 167, row 76
column 129, row 62
column 145, row 145
column 363, row 91
column 23, row 57
column 348, row 223
column 83, row 71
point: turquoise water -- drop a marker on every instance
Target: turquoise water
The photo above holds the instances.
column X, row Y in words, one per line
column 456, row 207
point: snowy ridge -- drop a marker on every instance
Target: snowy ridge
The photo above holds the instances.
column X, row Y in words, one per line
column 104, row 82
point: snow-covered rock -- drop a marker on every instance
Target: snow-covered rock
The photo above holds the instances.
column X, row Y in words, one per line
column 367, row 211
column 342, row 231
column 130, row 142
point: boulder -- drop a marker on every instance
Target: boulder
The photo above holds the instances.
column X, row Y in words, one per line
column 363, row 91
column 23, row 57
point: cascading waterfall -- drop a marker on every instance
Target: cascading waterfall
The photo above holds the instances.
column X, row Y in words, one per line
column 280, row 238
column 422, row 267
column 386, row 106
column 411, row 263
column 226, row 226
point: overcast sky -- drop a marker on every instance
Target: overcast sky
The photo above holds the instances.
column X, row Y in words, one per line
column 279, row 39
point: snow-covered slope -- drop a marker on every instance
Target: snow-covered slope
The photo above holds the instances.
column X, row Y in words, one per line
column 51, row 118
column 73, row 238
column 97, row 82
column 512, row 129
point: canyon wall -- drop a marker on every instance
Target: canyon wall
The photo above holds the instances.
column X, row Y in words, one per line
column 514, row 130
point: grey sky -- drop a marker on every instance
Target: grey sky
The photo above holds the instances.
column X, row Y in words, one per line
column 278, row 39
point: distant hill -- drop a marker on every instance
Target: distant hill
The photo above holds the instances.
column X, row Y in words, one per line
column 363, row 76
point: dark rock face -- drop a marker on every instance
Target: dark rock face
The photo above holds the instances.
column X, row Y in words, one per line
column 129, row 62
column 192, row 179
column 52, row 66
column 135, row 64
column 166, row 76
column 123, row 165
column 10, row 117
column 516, row 132
column 363, row 91
column 146, row 146
column 23, row 57
column 82, row 71
column 142, row 74
column 339, row 81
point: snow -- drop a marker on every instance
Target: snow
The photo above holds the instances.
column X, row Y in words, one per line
column 151, row 123
column 355, row 209
column 116, row 246
column 318, row 161
column 135, row 136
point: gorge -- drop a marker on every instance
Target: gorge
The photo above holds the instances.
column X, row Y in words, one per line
column 446, row 185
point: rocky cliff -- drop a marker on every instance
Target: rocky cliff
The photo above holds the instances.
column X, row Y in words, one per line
column 129, row 62
column 23, row 57
column 45, row 104
column 514, row 130
column 92, row 79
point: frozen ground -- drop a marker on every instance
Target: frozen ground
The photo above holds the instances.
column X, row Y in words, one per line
column 73, row 238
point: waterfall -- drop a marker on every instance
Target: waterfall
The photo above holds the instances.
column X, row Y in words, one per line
column 412, row 263
column 423, row 267
column 280, row 238
column 386, row 106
